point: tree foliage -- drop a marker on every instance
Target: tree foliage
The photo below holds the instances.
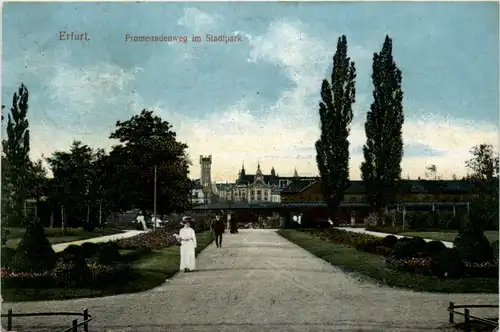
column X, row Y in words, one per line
column 73, row 174
column 484, row 205
column 15, row 159
column 148, row 141
column 383, row 151
column 335, row 112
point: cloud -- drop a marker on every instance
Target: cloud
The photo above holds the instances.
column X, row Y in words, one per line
column 281, row 135
column 198, row 21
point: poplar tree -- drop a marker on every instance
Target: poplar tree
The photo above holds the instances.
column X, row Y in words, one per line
column 16, row 158
column 335, row 111
column 383, row 151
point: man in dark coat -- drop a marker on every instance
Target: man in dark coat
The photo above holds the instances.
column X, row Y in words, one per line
column 218, row 228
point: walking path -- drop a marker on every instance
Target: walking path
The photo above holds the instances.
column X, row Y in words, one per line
column 379, row 234
column 258, row 281
column 61, row 246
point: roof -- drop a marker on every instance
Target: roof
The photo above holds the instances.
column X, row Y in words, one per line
column 407, row 186
column 272, row 205
column 249, row 178
column 299, row 185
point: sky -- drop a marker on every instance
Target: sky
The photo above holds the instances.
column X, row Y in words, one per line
column 255, row 99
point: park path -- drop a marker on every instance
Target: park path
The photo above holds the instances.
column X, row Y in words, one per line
column 258, row 281
column 379, row 234
column 61, row 246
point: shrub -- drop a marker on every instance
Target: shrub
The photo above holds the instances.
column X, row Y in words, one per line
column 89, row 249
column 473, row 246
column 72, row 250
column 7, row 255
column 433, row 248
column 107, row 253
column 495, row 249
column 408, row 247
column 34, row 253
column 72, row 272
column 389, row 241
column 449, row 263
column 17, row 280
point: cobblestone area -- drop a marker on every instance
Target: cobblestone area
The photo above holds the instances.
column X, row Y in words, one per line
column 259, row 281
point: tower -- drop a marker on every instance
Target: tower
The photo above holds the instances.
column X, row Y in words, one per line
column 206, row 175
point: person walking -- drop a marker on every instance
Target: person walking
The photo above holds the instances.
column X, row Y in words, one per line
column 187, row 238
column 218, row 229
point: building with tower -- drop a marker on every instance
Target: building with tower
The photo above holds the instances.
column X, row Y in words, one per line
column 206, row 177
column 258, row 187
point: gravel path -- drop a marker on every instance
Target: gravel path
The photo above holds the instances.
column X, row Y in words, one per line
column 379, row 234
column 259, row 281
column 61, row 246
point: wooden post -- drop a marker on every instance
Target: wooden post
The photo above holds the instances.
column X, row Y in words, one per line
column 85, row 317
column 467, row 320
column 450, row 310
column 9, row 320
column 75, row 325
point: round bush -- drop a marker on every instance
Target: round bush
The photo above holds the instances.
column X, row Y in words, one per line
column 72, row 272
column 473, row 246
column 107, row 254
column 449, row 263
column 72, row 250
column 495, row 248
column 407, row 248
column 434, row 248
column 89, row 249
column 7, row 255
column 389, row 241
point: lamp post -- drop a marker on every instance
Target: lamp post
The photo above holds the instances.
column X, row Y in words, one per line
column 154, row 202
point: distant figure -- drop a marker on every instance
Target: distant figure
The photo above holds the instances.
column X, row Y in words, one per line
column 140, row 219
column 187, row 237
column 218, row 228
column 233, row 225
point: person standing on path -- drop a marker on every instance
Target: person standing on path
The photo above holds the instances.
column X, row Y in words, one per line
column 218, row 228
column 187, row 237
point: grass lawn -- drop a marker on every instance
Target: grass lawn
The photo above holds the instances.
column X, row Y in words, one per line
column 55, row 235
column 153, row 269
column 373, row 266
column 448, row 235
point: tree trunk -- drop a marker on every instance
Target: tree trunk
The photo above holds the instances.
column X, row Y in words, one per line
column 63, row 223
column 51, row 217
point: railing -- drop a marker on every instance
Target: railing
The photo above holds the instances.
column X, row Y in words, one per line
column 468, row 316
column 74, row 328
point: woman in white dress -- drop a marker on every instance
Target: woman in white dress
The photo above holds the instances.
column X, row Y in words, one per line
column 187, row 237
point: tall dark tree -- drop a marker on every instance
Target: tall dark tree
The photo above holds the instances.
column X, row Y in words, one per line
column 16, row 162
column 73, row 178
column 148, row 141
column 335, row 113
column 383, row 151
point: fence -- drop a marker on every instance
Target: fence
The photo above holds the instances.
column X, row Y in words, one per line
column 468, row 316
column 74, row 327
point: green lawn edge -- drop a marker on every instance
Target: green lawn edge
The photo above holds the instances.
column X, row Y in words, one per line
column 373, row 267
column 153, row 269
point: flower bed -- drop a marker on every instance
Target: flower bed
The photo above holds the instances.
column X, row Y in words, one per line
column 158, row 239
